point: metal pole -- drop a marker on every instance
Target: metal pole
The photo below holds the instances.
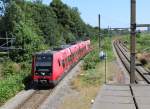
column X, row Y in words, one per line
column 105, row 69
column 99, row 17
column 7, row 43
column 7, row 39
column 108, row 31
column 11, row 40
column 133, row 41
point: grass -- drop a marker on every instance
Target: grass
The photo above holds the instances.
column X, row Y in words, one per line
column 142, row 42
column 12, row 82
column 93, row 70
column 142, row 47
column 90, row 73
column 91, row 77
column 9, row 87
column 94, row 77
column 80, row 100
column 1, row 72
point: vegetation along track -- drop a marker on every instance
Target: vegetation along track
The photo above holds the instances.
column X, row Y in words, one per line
column 142, row 75
column 36, row 99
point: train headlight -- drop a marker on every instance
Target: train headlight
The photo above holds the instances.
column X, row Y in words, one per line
column 43, row 73
column 36, row 73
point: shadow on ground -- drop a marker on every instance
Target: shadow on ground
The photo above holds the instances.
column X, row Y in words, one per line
column 28, row 83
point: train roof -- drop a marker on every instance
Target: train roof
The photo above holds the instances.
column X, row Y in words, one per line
column 62, row 47
column 49, row 52
column 55, row 50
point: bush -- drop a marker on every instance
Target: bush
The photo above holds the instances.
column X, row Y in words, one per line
column 91, row 60
column 13, row 79
column 91, row 76
column 10, row 86
column 9, row 68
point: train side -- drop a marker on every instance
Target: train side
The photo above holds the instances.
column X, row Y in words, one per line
column 49, row 67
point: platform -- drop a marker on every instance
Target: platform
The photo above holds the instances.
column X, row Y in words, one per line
column 142, row 96
column 120, row 97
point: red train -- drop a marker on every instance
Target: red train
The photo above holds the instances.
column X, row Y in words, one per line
column 49, row 67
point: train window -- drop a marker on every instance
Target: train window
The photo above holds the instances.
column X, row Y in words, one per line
column 69, row 59
column 78, row 51
column 63, row 63
column 43, row 58
column 75, row 54
column 59, row 62
column 72, row 56
column 66, row 61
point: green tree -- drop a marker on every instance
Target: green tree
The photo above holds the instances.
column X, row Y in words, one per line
column 37, row 26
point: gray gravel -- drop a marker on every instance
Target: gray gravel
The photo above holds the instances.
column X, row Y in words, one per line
column 63, row 88
column 122, row 68
column 54, row 99
column 17, row 100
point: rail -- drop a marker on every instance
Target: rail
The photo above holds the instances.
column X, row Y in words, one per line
column 142, row 75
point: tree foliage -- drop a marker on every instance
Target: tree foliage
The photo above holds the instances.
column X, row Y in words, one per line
column 37, row 26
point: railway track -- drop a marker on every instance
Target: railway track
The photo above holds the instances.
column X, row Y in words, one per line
column 35, row 100
column 142, row 76
column 43, row 98
column 39, row 96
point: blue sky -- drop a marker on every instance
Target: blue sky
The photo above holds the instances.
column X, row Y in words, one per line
column 115, row 13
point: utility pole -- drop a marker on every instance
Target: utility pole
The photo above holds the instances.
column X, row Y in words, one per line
column 110, row 33
column 132, row 41
column 108, row 29
column 99, row 19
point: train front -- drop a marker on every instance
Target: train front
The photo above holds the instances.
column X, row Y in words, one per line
column 42, row 68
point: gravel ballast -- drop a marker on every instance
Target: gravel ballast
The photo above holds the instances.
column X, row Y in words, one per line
column 54, row 99
column 63, row 88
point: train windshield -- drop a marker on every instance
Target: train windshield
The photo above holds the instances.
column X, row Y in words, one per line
column 43, row 62
column 43, row 58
